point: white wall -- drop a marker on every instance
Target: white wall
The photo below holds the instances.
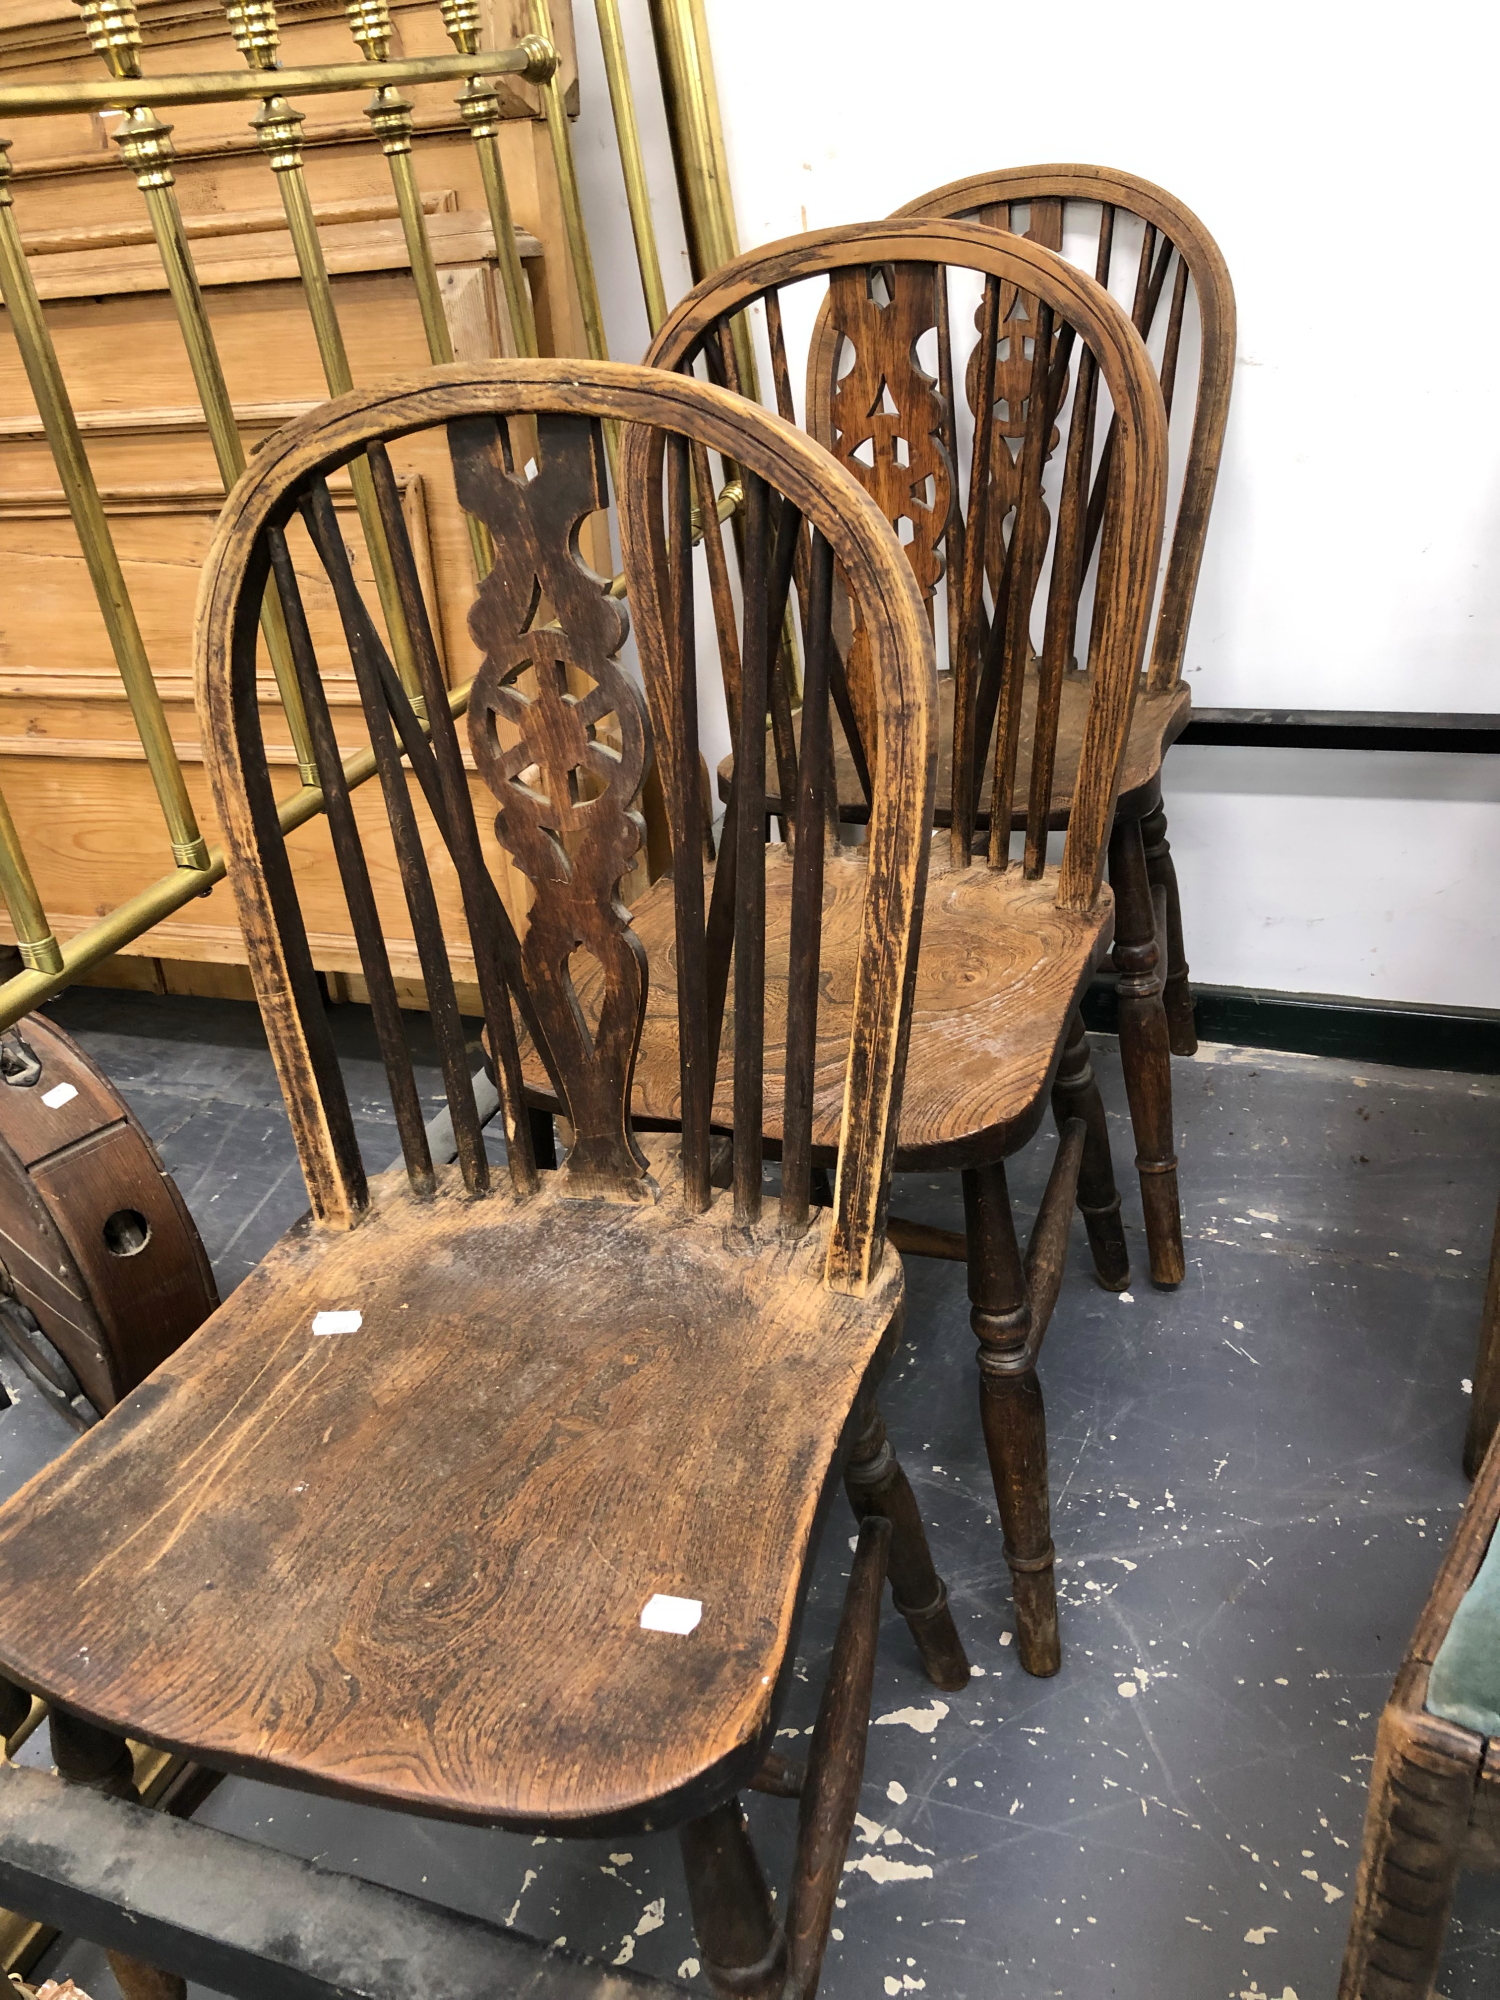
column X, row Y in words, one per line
column 1344, row 159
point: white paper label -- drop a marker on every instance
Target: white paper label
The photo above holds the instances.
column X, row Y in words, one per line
column 58, row 1095
column 337, row 1322
column 671, row 1614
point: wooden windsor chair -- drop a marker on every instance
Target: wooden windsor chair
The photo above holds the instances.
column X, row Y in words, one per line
column 520, row 1536
column 1007, row 948
column 1089, row 203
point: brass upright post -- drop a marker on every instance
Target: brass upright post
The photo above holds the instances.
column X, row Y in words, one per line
column 480, row 107
column 277, row 126
column 632, row 164
column 692, row 103
column 579, row 254
column 390, row 117
column 55, row 408
column 146, row 145
column 40, row 951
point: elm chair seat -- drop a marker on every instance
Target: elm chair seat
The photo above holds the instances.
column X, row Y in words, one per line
column 1003, row 967
column 428, row 1593
column 1159, row 718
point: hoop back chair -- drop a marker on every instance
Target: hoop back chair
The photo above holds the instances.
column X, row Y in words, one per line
column 1008, row 945
column 407, row 1563
column 1149, row 950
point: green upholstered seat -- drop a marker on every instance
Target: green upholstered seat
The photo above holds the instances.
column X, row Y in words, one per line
column 1464, row 1685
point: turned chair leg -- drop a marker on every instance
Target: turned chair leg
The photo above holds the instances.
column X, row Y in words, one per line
column 1177, row 994
column 86, row 1755
column 1145, row 1052
column 744, row 1947
column 1010, row 1405
column 1075, row 1094
column 1415, row 1829
column 877, row 1486
column 1484, row 1406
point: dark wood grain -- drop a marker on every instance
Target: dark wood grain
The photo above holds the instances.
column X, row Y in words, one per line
column 464, row 1636
column 567, row 795
column 1000, row 970
column 747, row 1035
column 411, row 860
column 354, row 874
column 1115, row 190
column 406, row 1562
column 1005, row 951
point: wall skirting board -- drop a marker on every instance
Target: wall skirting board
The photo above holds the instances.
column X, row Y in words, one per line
column 1330, row 1024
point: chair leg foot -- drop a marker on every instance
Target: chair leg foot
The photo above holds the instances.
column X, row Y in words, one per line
column 1075, row 1094
column 744, row 1947
column 1145, row 1053
column 1015, row 1432
column 876, row 1484
column 1177, row 994
column 1013, row 1415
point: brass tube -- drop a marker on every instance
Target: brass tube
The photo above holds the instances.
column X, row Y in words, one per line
column 39, row 948
column 579, row 253
column 692, row 104
column 390, row 117
column 55, row 408
column 123, row 93
column 145, row 144
column 131, row 919
column 278, row 129
column 480, row 108
column 632, row 163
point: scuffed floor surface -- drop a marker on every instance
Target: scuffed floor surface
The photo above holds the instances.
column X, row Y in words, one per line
column 1253, row 1479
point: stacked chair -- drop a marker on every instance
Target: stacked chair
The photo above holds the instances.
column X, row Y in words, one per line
column 1009, row 944
column 520, row 1534
column 494, row 1493
column 1180, row 289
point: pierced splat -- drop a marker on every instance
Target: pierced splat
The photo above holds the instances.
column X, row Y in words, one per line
column 559, row 736
column 887, row 410
column 1010, row 412
column 888, row 417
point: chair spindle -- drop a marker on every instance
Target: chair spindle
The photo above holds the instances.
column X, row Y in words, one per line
column 411, row 861
column 354, row 874
column 750, row 888
column 807, row 896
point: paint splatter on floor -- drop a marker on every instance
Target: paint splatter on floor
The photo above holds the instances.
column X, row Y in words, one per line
column 1253, row 1479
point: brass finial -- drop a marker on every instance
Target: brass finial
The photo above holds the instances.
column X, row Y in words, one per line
column 256, row 31
column 461, row 19
column 278, row 127
column 542, row 60
column 479, row 106
column 145, row 143
column 391, row 120
column 114, row 33
column 370, row 25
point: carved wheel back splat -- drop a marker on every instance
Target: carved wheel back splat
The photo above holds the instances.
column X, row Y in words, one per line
column 566, row 785
column 888, row 415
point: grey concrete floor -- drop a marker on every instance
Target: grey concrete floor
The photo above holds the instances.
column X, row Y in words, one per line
column 1253, row 1480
